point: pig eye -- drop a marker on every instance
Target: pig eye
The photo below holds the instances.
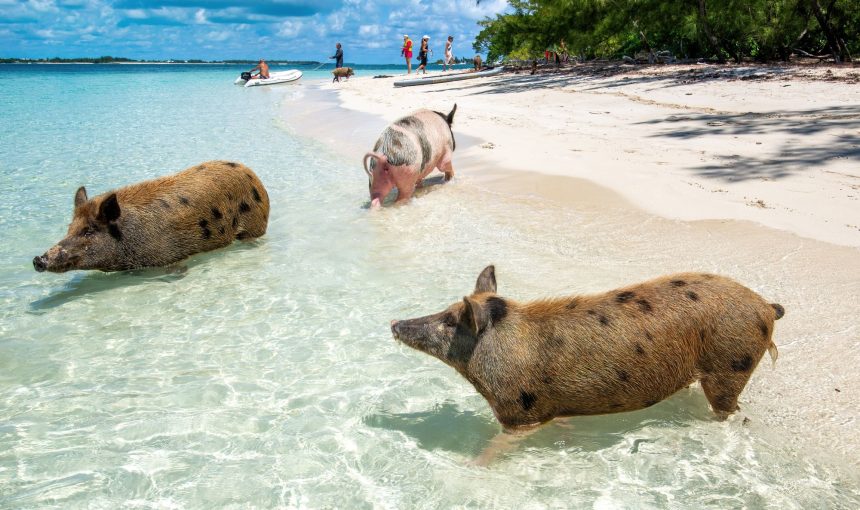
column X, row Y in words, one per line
column 89, row 232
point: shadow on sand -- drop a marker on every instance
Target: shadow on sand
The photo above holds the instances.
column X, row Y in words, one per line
column 89, row 283
column 446, row 427
column 795, row 154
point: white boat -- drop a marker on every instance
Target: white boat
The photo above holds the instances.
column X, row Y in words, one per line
column 273, row 79
column 444, row 78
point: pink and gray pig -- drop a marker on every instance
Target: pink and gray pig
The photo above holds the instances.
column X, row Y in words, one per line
column 407, row 151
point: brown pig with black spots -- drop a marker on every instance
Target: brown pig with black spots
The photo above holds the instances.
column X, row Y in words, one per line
column 161, row 221
column 622, row 350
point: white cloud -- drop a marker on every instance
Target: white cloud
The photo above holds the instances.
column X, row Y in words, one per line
column 289, row 29
column 200, row 17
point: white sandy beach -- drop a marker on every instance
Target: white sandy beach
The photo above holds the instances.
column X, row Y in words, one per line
column 682, row 142
column 747, row 171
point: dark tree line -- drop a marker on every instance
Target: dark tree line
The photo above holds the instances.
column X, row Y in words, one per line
column 719, row 30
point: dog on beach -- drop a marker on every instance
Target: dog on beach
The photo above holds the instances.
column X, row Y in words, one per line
column 342, row 72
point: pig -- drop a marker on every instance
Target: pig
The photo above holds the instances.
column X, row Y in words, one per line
column 161, row 221
column 477, row 63
column 342, row 72
column 407, row 151
column 622, row 350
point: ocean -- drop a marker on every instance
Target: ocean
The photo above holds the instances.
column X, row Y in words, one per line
column 265, row 374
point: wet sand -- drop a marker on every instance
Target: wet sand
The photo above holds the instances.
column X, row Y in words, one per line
column 662, row 211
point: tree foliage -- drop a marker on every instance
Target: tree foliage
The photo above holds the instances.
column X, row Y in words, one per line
column 721, row 30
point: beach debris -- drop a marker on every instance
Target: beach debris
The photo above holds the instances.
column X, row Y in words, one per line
column 758, row 203
column 622, row 350
column 407, row 151
column 488, row 145
column 162, row 221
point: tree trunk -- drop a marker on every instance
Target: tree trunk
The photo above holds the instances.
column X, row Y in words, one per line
column 837, row 46
column 706, row 28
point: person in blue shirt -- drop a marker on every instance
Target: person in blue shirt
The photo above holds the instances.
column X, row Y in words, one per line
column 338, row 55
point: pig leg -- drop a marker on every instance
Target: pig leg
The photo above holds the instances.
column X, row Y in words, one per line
column 723, row 390
column 405, row 183
column 404, row 193
column 503, row 442
column 447, row 168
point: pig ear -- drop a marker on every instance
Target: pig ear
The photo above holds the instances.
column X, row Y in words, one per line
column 486, row 280
column 81, row 197
column 474, row 317
column 109, row 209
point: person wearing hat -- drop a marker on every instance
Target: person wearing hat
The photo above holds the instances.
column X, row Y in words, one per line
column 423, row 54
column 407, row 52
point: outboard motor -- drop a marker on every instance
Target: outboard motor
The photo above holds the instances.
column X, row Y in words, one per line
column 246, row 75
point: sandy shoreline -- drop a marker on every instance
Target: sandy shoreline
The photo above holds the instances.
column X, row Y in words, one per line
column 624, row 148
column 767, row 145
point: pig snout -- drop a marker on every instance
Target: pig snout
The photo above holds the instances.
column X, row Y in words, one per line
column 376, row 203
column 40, row 263
column 56, row 260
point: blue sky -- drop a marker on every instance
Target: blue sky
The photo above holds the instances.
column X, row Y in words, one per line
column 370, row 31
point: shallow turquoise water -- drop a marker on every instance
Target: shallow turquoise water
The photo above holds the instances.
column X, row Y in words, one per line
column 265, row 375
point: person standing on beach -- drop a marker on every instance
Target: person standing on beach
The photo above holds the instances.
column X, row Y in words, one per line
column 449, row 54
column 423, row 53
column 338, row 56
column 407, row 52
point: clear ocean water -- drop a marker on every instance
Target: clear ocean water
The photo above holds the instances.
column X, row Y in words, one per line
column 265, row 375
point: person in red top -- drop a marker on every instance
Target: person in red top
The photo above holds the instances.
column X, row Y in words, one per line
column 407, row 52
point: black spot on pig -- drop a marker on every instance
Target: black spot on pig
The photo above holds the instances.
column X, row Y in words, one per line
column 216, row 214
column 163, row 203
column 572, row 304
column 527, row 400
column 639, row 349
column 244, row 207
column 497, row 308
column 649, row 336
column 649, row 403
column 692, row 295
column 250, row 177
column 623, row 376
column 235, row 222
column 184, row 201
column 256, row 195
column 677, row 283
column 204, row 229
column 763, row 328
column 644, row 305
column 623, row 297
column 743, row 364
column 231, row 164
column 221, row 230
column 426, row 150
column 603, row 320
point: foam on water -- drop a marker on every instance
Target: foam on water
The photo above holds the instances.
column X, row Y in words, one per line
column 265, row 375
